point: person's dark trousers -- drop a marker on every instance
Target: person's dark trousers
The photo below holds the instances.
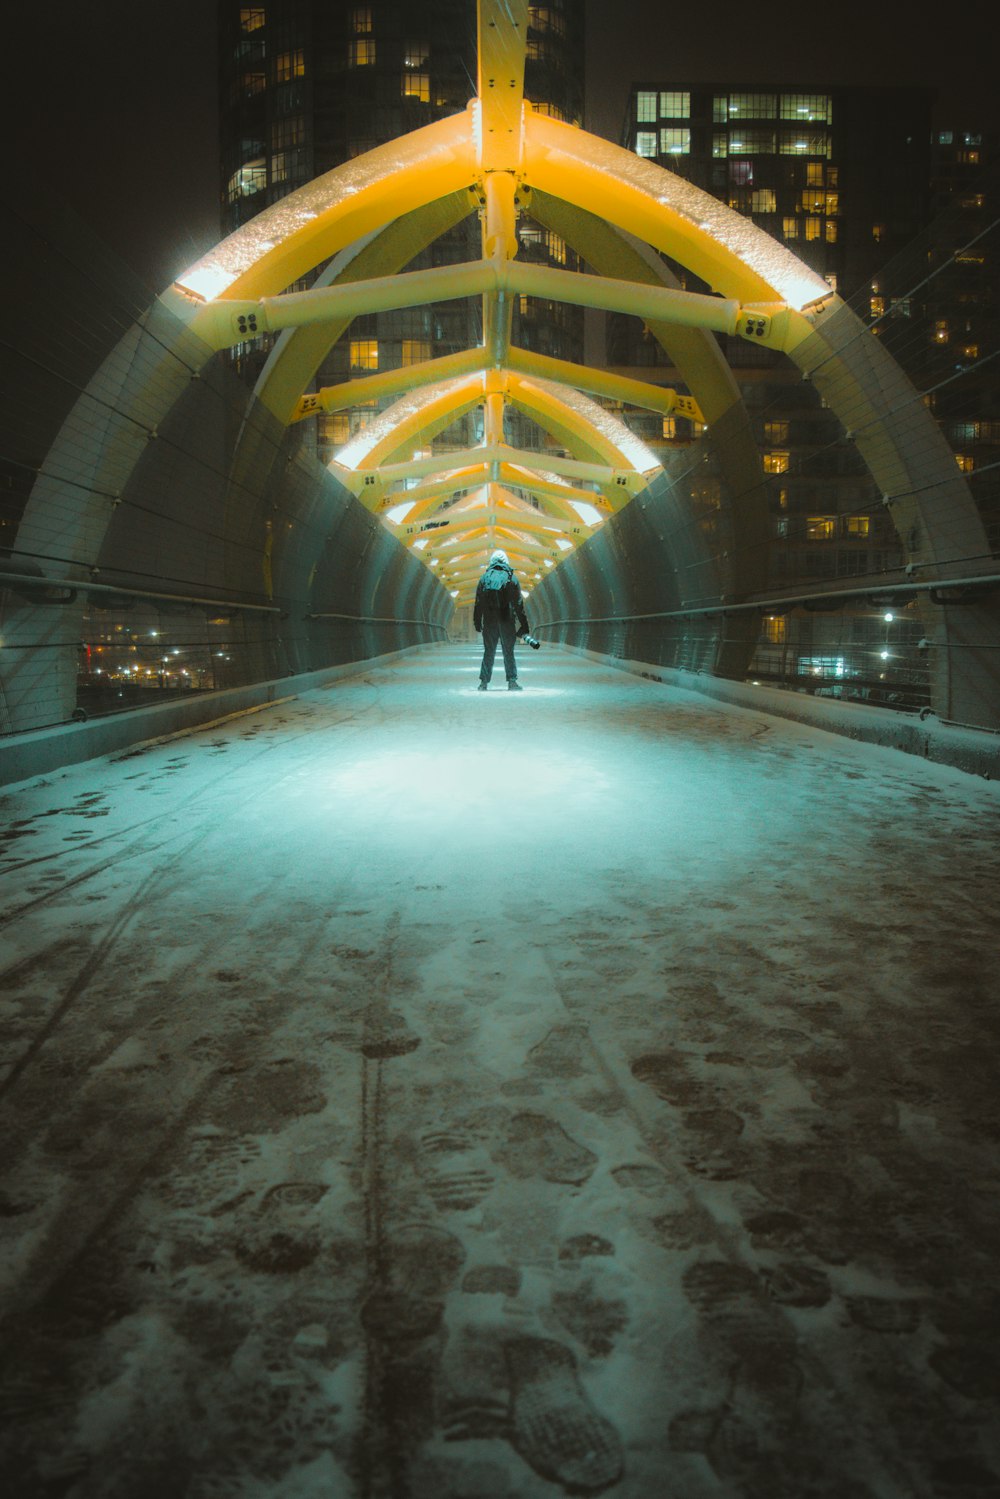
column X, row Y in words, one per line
column 498, row 627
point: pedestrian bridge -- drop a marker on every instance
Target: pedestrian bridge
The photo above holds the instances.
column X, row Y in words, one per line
column 170, row 528
column 409, row 1091
column 413, row 1091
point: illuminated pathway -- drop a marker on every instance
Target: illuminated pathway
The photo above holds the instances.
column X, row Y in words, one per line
column 416, row 1093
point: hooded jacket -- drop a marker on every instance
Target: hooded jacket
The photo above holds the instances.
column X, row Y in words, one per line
column 511, row 599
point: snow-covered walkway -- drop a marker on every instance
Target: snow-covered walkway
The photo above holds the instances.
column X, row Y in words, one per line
column 412, row 1092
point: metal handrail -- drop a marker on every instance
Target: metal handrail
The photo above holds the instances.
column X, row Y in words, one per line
column 78, row 585
column 778, row 605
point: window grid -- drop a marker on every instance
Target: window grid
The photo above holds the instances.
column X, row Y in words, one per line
column 806, row 107
column 675, row 105
column 675, row 141
column 289, row 65
column 364, row 353
column 361, row 52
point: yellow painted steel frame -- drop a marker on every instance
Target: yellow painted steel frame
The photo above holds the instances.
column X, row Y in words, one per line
column 370, row 217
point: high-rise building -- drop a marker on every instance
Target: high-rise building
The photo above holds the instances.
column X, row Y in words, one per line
column 307, row 85
column 893, row 216
column 838, row 174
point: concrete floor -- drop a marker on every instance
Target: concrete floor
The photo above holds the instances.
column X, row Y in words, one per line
column 410, row 1092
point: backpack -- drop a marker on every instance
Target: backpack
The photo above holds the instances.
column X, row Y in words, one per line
column 495, row 586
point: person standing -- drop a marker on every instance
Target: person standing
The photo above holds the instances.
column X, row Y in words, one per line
column 498, row 614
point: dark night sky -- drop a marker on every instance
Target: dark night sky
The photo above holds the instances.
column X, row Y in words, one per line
column 114, row 102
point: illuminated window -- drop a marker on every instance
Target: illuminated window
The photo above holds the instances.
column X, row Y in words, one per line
column 720, row 109
column 941, row 331
column 832, row 205
column 250, row 178
column 290, row 132
column 820, row 527
column 556, row 246
column 945, row 138
column 751, row 142
column 252, row 17
column 876, row 306
column 361, row 52
column 289, row 65
column 832, row 176
column 813, row 228
column 645, row 108
column 675, row 142
column 720, row 143
column 776, row 432
column 763, row 200
column 966, row 431
column 417, row 86
column 790, row 228
column 364, row 353
column 669, row 428
column 814, row 174
column 966, row 462
column 774, row 629
column 878, row 233
column 804, row 143
column 776, row 463
column 783, row 498
column 752, row 106
column 811, row 201
column 830, row 231
column 546, row 18
column 645, row 143
column 415, row 350
column 857, row 525
column 415, row 54
column 900, row 307
column 359, row 20
column 830, row 277
column 969, row 158
column 970, row 351
column 335, row 428
column 806, row 107
column 675, row 106
column 286, row 165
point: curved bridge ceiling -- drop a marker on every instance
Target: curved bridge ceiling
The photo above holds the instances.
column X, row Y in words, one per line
column 366, row 221
column 372, row 216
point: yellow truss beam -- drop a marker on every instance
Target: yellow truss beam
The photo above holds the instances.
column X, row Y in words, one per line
column 621, row 481
column 661, row 398
column 390, row 383
column 228, row 321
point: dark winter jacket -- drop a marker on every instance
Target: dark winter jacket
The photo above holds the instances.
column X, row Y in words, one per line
column 508, row 601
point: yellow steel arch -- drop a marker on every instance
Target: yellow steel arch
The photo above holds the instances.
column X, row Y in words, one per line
column 500, row 157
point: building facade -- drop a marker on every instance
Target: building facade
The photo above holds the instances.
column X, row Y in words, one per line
column 894, row 214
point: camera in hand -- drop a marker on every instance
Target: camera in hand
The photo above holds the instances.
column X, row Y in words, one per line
column 536, row 645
